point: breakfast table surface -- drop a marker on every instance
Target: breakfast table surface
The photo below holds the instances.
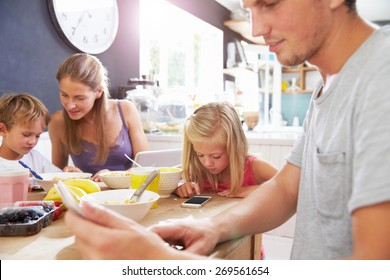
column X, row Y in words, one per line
column 56, row 241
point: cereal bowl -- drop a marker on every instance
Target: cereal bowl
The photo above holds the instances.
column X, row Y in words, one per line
column 169, row 180
column 49, row 179
column 116, row 179
column 118, row 201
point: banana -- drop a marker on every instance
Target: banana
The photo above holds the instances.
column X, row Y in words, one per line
column 87, row 185
column 52, row 194
column 78, row 191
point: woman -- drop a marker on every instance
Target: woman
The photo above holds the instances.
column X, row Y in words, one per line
column 94, row 130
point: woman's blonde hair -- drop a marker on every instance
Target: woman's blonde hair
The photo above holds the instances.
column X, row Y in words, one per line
column 21, row 109
column 88, row 70
column 215, row 122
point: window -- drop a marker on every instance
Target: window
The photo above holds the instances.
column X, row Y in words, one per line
column 180, row 51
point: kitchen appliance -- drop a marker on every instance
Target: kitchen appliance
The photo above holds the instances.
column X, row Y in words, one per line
column 144, row 98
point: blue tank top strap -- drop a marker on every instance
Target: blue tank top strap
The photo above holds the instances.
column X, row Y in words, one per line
column 121, row 115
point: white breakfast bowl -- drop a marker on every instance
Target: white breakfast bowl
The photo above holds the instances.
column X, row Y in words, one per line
column 116, row 179
column 169, row 180
column 49, row 179
column 115, row 200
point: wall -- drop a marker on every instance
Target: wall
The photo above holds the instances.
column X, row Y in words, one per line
column 31, row 49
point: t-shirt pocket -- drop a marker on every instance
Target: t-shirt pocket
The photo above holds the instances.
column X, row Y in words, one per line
column 329, row 189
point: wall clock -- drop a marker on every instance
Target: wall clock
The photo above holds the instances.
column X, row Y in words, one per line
column 88, row 26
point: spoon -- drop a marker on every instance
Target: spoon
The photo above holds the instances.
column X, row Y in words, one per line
column 137, row 194
column 136, row 163
column 36, row 175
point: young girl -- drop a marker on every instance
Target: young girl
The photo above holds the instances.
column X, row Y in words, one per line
column 215, row 154
column 94, row 130
column 23, row 118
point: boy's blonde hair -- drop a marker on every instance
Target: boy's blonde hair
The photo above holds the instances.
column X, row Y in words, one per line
column 215, row 122
column 87, row 69
column 21, row 109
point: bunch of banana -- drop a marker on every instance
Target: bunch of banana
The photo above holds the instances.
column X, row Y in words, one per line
column 87, row 185
column 79, row 186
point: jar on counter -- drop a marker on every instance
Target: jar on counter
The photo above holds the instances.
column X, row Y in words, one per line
column 173, row 110
column 146, row 104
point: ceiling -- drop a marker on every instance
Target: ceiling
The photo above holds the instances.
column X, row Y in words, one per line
column 372, row 10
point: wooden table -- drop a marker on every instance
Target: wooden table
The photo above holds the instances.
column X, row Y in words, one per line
column 57, row 242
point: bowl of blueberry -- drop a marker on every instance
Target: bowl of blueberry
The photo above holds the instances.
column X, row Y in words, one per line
column 27, row 218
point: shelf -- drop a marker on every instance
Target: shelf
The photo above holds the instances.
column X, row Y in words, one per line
column 297, row 91
column 270, row 91
column 244, row 28
column 298, row 69
column 236, row 71
column 301, row 70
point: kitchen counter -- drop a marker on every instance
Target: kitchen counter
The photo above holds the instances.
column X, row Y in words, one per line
column 274, row 136
column 272, row 143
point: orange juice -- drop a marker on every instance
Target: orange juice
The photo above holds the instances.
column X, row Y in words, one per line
column 138, row 176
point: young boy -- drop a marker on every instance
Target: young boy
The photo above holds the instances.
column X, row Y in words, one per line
column 22, row 120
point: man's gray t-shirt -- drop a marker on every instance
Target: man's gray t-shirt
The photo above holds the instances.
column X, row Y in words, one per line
column 344, row 152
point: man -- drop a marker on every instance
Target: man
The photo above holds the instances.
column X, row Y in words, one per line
column 335, row 177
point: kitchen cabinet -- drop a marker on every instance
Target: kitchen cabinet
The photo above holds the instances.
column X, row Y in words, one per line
column 299, row 72
column 243, row 28
column 265, row 87
column 260, row 79
column 283, row 92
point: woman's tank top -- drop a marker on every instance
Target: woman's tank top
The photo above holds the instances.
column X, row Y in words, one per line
column 116, row 159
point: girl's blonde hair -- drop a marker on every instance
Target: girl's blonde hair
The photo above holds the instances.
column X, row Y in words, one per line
column 215, row 122
column 21, row 109
column 88, row 70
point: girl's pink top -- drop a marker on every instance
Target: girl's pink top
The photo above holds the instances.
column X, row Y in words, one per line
column 249, row 179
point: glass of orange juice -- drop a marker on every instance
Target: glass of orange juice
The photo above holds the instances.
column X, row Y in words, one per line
column 139, row 174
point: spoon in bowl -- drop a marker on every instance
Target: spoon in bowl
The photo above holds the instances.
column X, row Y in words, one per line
column 137, row 194
column 136, row 163
column 35, row 174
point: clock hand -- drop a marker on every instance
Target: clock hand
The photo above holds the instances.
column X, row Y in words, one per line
column 79, row 21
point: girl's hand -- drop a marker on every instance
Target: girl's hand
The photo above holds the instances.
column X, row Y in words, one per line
column 188, row 189
column 71, row 169
column 96, row 177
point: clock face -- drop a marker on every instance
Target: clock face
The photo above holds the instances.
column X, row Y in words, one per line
column 89, row 26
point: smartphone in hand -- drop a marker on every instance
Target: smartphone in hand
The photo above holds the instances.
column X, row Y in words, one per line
column 196, row 201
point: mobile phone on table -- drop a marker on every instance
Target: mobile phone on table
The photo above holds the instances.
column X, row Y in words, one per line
column 196, row 201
